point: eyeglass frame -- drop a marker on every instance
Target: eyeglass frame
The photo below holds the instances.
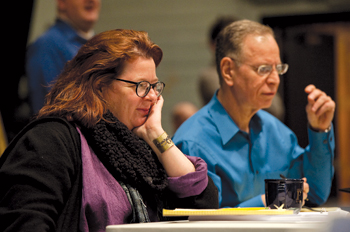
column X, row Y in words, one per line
column 266, row 65
column 148, row 89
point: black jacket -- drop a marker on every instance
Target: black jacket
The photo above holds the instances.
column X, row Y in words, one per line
column 41, row 180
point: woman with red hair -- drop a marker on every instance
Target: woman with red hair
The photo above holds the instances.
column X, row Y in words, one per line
column 97, row 153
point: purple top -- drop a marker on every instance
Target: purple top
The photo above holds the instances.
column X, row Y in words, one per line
column 104, row 201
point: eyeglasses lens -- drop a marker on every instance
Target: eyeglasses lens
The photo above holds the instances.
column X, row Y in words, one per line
column 159, row 88
column 144, row 87
column 282, row 68
column 267, row 69
column 264, row 70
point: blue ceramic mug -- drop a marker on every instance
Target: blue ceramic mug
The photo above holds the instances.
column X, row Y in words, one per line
column 286, row 192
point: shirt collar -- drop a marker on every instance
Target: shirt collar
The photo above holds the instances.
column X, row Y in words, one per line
column 256, row 125
column 224, row 123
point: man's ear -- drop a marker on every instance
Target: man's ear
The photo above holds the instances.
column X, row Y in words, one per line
column 227, row 71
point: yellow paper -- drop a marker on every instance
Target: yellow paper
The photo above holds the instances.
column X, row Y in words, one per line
column 226, row 211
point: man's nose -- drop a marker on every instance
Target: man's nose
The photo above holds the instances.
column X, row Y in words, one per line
column 274, row 77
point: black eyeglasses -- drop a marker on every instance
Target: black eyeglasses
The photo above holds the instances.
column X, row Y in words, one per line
column 143, row 87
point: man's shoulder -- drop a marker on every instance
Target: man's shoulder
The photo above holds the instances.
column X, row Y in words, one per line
column 268, row 119
column 52, row 37
column 271, row 124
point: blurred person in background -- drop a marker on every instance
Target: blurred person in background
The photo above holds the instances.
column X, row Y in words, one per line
column 208, row 80
column 47, row 56
column 181, row 112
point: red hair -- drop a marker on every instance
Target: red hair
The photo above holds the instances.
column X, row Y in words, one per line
column 76, row 94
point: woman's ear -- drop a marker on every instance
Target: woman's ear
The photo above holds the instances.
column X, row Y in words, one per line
column 227, row 71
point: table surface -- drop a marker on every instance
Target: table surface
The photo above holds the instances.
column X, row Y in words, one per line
column 304, row 222
column 217, row 226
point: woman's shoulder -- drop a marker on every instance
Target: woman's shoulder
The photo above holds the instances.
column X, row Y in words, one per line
column 47, row 134
column 51, row 126
column 46, row 155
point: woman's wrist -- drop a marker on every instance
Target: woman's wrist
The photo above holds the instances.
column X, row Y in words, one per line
column 154, row 133
column 163, row 142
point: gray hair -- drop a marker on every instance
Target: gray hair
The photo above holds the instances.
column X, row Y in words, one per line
column 230, row 40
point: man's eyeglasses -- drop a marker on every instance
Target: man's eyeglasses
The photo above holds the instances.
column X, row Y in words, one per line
column 143, row 87
column 266, row 69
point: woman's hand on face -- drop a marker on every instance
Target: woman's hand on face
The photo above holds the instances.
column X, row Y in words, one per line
column 152, row 128
column 173, row 160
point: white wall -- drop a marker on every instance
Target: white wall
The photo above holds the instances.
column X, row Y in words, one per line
column 180, row 28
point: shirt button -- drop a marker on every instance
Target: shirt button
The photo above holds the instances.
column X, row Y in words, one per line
column 257, row 172
column 325, row 141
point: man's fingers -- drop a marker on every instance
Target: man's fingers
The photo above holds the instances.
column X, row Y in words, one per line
column 308, row 89
column 321, row 106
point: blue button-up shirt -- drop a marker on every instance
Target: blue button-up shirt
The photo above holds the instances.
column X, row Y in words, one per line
column 239, row 162
column 46, row 58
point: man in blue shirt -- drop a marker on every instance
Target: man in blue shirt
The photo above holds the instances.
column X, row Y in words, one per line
column 47, row 56
column 244, row 145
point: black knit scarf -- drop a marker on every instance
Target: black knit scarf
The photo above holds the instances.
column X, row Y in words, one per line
column 127, row 157
column 131, row 161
